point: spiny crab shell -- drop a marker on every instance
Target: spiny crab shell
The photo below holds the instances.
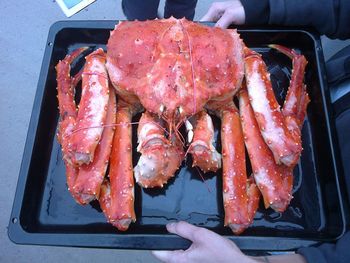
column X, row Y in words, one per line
column 174, row 67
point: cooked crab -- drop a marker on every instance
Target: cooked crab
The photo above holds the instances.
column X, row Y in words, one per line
column 177, row 72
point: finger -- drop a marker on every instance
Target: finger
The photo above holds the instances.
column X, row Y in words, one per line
column 224, row 21
column 169, row 256
column 233, row 16
column 214, row 13
column 190, row 232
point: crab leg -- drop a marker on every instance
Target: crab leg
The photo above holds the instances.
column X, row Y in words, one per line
column 297, row 99
column 67, row 110
column 92, row 109
column 241, row 196
column 276, row 130
column 160, row 157
column 202, row 149
column 117, row 195
column 65, row 95
column 90, row 176
column 274, row 181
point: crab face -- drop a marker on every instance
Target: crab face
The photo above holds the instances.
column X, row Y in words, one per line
column 174, row 67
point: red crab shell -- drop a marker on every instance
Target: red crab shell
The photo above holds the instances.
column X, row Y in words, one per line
column 174, row 67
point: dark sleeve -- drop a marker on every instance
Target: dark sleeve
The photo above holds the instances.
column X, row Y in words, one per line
column 328, row 253
column 256, row 11
column 329, row 17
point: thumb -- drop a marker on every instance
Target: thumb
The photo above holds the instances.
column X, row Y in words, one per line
column 191, row 232
column 183, row 229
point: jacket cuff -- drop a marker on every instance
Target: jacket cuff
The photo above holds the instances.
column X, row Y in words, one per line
column 257, row 12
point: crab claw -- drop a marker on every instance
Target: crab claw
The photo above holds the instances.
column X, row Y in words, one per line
column 160, row 157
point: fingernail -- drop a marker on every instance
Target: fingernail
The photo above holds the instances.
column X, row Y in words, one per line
column 170, row 225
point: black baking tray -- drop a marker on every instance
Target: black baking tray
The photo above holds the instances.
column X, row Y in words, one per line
column 44, row 213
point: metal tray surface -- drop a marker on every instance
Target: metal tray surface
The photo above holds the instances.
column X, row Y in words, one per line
column 44, row 212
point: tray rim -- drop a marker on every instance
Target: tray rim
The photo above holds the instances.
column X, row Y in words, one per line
column 19, row 235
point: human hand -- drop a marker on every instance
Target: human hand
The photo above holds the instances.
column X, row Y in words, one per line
column 207, row 246
column 225, row 13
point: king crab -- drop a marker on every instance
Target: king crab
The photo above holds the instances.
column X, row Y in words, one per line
column 177, row 72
